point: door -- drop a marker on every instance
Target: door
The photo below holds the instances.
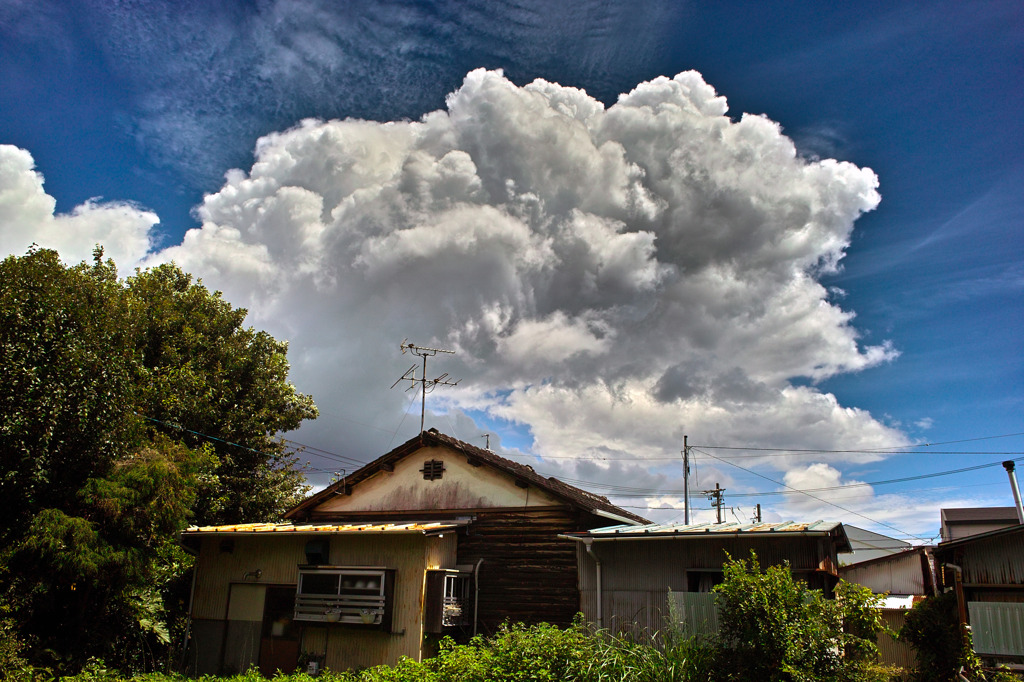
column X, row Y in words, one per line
column 279, row 641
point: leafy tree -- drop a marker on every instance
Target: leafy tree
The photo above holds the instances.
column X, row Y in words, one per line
column 207, row 373
column 127, row 409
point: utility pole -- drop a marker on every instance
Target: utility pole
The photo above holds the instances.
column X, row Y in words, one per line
column 757, row 514
column 410, row 374
column 716, row 499
column 686, row 482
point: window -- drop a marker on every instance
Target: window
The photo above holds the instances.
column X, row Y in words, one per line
column 360, row 595
column 432, row 469
column 447, row 601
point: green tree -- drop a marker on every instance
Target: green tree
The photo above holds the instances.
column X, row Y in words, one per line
column 206, row 373
column 126, row 407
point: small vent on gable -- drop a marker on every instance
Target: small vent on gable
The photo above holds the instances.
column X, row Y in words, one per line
column 433, row 469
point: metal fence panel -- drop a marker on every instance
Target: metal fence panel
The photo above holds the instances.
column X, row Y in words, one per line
column 998, row 627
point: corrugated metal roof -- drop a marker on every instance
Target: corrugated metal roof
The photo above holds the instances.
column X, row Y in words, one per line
column 707, row 528
column 254, row 528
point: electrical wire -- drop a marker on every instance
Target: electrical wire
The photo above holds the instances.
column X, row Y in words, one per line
column 813, row 497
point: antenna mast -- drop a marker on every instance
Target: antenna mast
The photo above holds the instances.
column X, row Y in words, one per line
column 410, row 374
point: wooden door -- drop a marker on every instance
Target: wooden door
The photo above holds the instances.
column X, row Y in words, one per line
column 279, row 641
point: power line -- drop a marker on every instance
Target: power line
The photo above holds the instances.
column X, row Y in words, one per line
column 626, row 491
column 881, row 450
column 815, row 497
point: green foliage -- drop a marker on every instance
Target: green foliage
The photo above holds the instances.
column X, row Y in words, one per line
column 773, row 627
column 207, row 373
column 108, row 385
column 932, row 627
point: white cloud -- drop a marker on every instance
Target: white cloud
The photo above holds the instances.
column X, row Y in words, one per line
column 611, row 278
column 27, row 217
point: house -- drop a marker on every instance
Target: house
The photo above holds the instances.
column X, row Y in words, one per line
column 435, row 537
column 959, row 523
column 986, row 570
column 904, row 578
column 628, row 573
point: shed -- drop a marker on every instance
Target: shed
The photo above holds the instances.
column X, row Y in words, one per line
column 627, row 573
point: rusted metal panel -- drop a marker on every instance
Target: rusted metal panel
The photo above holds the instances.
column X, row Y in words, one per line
column 998, row 628
column 994, row 561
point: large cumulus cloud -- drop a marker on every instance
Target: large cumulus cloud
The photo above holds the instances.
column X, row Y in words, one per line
column 610, row 277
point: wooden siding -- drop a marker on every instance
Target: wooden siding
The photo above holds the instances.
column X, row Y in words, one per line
column 528, row 573
column 277, row 557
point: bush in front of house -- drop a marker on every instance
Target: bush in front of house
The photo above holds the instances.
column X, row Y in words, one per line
column 774, row 628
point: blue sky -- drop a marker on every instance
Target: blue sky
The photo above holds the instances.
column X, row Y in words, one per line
column 130, row 111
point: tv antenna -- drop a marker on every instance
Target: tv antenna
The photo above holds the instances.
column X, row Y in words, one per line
column 422, row 380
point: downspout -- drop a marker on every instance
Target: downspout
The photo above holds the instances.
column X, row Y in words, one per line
column 476, row 596
column 188, row 621
column 1008, row 465
column 961, row 606
column 589, row 544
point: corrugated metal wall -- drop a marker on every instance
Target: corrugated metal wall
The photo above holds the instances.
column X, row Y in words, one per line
column 891, row 651
column 638, row 575
column 899, row 575
column 278, row 558
column 998, row 628
column 995, row 561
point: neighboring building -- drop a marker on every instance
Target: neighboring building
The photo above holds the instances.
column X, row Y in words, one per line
column 627, row 573
column 867, row 545
column 904, row 578
column 963, row 522
column 987, row 572
column 436, row 536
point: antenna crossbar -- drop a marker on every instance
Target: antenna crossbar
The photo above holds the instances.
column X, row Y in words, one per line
column 426, row 385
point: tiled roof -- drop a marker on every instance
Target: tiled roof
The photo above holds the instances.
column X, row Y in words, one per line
column 590, row 502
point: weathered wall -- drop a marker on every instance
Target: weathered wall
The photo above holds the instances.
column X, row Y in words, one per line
column 278, row 556
column 528, row 574
column 463, row 486
column 638, row 575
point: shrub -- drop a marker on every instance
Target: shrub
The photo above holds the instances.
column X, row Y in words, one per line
column 773, row 627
